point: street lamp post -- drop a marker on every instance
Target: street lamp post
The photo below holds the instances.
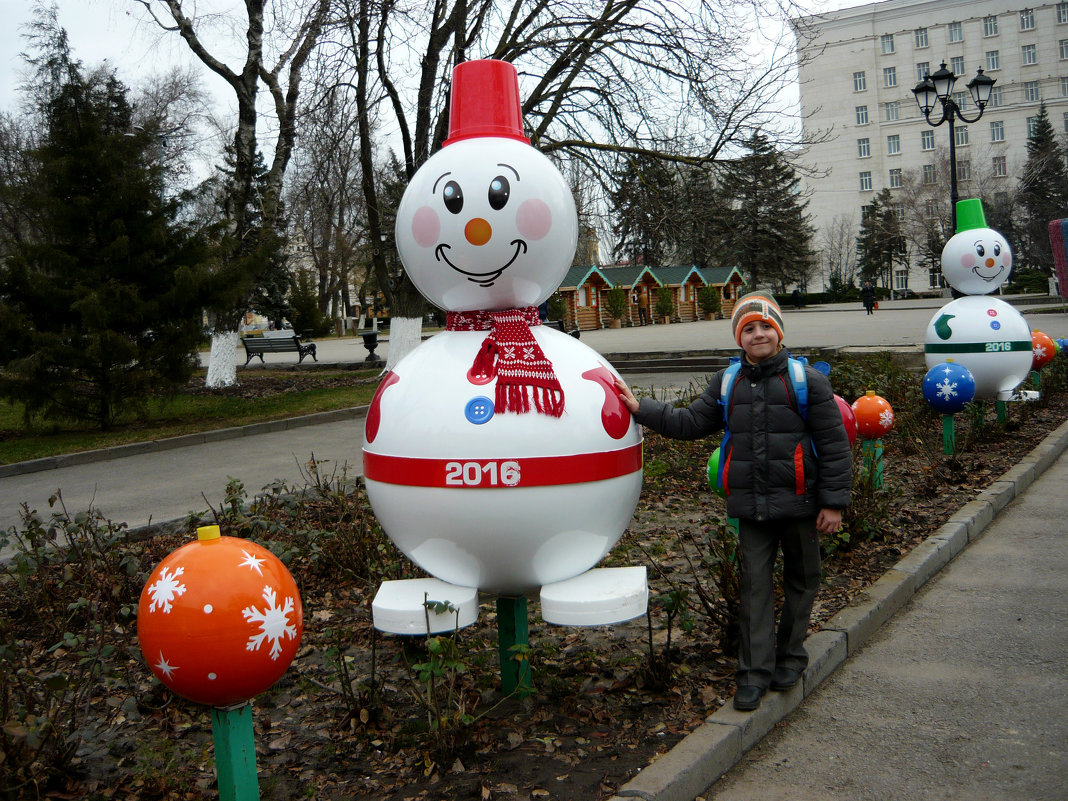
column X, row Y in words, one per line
column 938, row 88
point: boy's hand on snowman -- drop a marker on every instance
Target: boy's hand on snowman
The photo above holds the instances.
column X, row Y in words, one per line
column 627, row 396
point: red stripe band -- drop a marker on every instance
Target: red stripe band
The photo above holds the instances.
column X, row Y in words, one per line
column 530, row 471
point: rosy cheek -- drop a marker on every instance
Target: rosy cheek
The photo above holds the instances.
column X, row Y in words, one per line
column 534, row 218
column 426, row 227
column 967, row 260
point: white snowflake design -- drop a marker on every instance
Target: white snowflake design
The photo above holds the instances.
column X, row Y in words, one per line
column 1039, row 352
column 165, row 667
column 946, row 389
column 166, row 589
column 886, row 419
column 274, row 623
column 252, row 562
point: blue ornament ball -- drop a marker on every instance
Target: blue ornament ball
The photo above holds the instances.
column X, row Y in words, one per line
column 948, row 387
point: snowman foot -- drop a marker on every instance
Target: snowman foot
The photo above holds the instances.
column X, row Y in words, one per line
column 597, row 597
column 409, row 606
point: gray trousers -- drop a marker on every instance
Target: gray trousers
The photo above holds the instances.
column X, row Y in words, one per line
column 762, row 647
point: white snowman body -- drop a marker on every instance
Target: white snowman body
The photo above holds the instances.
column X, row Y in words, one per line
column 986, row 335
column 502, row 502
column 477, row 496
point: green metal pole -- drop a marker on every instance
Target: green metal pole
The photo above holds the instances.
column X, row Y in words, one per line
column 980, row 415
column 512, row 630
column 235, row 753
column 1003, row 411
column 1036, row 380
column 949, row 435
column 872, row 450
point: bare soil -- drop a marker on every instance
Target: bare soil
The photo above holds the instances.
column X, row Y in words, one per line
column 601, row 708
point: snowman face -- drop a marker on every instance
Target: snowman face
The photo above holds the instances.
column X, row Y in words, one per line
column 487, row 223
column 976, row 261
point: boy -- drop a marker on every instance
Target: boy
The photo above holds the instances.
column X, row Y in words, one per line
column 787, row 479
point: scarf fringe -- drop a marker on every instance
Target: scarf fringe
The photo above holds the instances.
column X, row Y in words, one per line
column 517, row 398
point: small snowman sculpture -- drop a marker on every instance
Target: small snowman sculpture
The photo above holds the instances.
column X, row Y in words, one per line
column 497, row 454
column 984, row 334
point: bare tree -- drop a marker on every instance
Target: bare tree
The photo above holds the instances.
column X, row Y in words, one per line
column 839, row 249
column 654, row 78
column 275, row 63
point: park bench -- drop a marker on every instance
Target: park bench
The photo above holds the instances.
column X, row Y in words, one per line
column 276, row 342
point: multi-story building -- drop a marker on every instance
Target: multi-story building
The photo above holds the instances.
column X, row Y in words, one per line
column 856, row 79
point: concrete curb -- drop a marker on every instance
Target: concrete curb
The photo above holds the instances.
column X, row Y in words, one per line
column 152, row 446
column 704, row 755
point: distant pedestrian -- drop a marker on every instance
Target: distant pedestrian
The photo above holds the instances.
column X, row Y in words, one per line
column 797, row 299
column 643, row 307
column 787, row 479
column 867, row 297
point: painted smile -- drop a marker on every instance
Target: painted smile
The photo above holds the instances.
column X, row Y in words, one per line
column 988, row 277
column 484, row 279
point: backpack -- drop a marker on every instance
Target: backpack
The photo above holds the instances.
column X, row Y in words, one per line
column 795, row 370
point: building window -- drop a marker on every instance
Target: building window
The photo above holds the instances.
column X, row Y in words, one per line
column 921, row 37
column 956, row 34
column 1029, row 54
column 961, row 99
column 863, row 149
column 923, row 69
column 926, row 140
column 862, row 115
column 889, row 77
column 895, row 178
column 1062, row 13
column 1032, row 126
column 1031, row 91
column 964, row 170
column 860, row 82
column 1066, row 122
column 891, row 111
column 888, row 43
column 961, row 135
column 1027, row 20
column 997, row 131
column 1000, row 168
column 957, row 64
column 993, row 60
column 996, row 97
column 930, row 210
column 928, row 174
column 1064, row 87
column 865, row 182
column 1064, row 49
column 901, row 279
column 990, row 26
column 899, row 210
column 893, row 144
column 934, row 277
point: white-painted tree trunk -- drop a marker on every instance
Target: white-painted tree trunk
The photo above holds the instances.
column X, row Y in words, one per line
column 405, row 334
column 222, row 361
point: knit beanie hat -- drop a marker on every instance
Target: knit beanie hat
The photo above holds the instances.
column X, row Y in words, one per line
column 756, row 306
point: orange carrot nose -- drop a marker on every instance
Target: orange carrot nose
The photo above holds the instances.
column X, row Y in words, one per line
column 989, row 262
column 478, row 231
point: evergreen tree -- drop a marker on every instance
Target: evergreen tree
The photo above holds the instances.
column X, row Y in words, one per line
column 881, row 242
column 643, row 202
column 1043, row 195
column 703, row 216
column 770, row 235
column 100, row 301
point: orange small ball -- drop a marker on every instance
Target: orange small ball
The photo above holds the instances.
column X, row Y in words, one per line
column 874, row 415
column 1043, row 350
column 220, row 619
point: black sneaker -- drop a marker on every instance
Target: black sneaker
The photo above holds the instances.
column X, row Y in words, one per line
column 747, row 698
column 785, row 678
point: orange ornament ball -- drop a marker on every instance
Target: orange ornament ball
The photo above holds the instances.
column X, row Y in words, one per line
column 220, row 619
column 874, row 415
column 1043, row 350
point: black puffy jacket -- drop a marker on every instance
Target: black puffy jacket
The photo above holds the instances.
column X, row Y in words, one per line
column 770, row 468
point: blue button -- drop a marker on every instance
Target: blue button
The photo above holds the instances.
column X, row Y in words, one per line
column 479, row 410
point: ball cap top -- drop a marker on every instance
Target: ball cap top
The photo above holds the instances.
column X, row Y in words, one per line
column 484, row 101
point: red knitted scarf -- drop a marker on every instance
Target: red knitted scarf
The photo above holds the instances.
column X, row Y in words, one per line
column 511, row 353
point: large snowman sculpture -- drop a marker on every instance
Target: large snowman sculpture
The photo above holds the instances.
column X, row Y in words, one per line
column 984, row 334
column 497, row 455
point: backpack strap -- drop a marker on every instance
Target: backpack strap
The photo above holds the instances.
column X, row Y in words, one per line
column 799, row 381
column 730, row 375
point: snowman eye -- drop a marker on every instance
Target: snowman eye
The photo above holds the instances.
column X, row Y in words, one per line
column 499, row 190
column 454, row 197
column 997, row 249
column 980, row 250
